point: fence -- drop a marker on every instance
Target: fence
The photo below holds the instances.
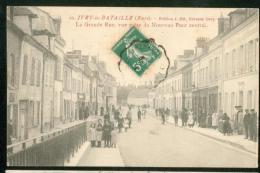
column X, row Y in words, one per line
column 51, row 149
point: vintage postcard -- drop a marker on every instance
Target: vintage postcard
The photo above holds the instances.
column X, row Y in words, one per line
column 132, row 87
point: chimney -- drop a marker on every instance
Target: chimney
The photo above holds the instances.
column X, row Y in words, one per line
column 236, row 17
column 201, row 41
column 223, row 24
column 201, row 46
column 57, row 22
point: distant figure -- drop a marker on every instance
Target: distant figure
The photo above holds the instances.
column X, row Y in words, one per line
column 86, row 114
column 129, row 117
column 120, row 123
column 99, row 129
column 253, row 125
column 184, row 117
column 162, row 112
column 246, row 121
column 226, row 125
column 107, row 128
column 215, row 120
column 126, row 124
column 190, row 119
column 116, row 114
column 92, row 135
column 157, row 112
column 209, row 120
column 101, row 111
column 143, row 113
column 114, row 138
column 175, row 115
column 107, row 116
column 139, row 114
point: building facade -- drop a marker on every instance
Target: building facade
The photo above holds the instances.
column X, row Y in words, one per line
column 222, row 74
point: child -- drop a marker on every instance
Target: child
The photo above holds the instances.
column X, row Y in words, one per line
column 126, row 124
column 113, row 138
column 92, row 135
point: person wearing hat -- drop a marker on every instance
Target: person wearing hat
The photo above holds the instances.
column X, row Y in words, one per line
column 252, row 126
column 246, row 121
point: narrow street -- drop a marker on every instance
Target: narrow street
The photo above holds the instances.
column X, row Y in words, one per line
column 149, row 143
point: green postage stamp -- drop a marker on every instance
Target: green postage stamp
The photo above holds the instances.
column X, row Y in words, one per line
column 136, row 51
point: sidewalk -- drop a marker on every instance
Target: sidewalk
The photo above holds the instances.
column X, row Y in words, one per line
column 101, row 157
column 77, row 156
column 234, row 140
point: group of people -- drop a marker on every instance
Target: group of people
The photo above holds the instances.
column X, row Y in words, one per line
column 215, row 120
column 99, row 132
column 250, row 124
column 163, row 113
column 109, row 130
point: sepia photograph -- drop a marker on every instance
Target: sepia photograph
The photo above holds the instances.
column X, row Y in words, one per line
column 132, row 87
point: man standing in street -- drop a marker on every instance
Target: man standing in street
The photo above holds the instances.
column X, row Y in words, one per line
column 252, row 125
column 129, row 117
column 184, row 117
column 246, row 121
column 139, row 114
column 163, row 115
column 175, row 115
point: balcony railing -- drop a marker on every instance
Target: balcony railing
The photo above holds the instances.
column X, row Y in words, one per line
column 52, row 149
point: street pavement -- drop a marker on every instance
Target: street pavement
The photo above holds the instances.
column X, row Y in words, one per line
column 101, row 157
column 149, row 143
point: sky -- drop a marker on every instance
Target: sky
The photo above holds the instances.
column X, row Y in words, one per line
column 100, row 40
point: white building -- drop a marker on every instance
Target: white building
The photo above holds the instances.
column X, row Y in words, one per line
column 241, row 62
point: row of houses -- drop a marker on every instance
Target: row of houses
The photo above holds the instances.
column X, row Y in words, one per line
column 220, row 73
column 46, row 86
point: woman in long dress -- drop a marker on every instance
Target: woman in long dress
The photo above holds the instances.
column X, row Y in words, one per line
column 99, row 129
column 92, row 135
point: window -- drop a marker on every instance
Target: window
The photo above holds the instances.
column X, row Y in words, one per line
column 242, row 60
column 32, row 72
column 233, row 62
column 216, row 68
column 31, row 114
column 251, row 56
column 65, row 79
column 38, row 73
column 241, row 98
column 226, row 65
column 50, row 74
column 249, row 99
column 25, row 61
column 12, row 70
column 57, row 68
column 210, row 70
column 232, row 103
column 37, row 117
column 206, row 75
